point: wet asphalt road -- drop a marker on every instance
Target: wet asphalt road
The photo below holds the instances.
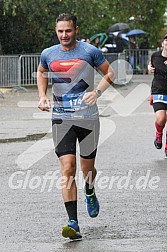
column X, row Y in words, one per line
column 131, row 182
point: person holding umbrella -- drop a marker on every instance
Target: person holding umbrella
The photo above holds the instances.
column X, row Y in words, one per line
column 117, row 27
column 158, row 66
column 133, row 46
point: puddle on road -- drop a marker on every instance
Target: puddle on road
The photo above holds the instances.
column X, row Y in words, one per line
column 33, row 137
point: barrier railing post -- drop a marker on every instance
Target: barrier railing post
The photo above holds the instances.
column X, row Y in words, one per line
column 19, row 71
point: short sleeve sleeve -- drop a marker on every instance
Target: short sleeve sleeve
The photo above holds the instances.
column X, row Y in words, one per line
column 43, row 61
column 98, row 57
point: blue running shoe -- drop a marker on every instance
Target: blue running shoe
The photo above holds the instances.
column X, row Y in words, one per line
column 92, row 205
column 71, row 230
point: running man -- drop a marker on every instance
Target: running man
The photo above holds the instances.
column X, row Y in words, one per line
column 158, row 66
column 75, row 114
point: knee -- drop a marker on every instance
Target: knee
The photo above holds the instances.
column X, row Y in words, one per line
column 89, row 171
column 68, row 170
column 161, row 120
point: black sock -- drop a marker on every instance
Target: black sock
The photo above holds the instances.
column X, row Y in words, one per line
column 71, row 208
column 89, row 189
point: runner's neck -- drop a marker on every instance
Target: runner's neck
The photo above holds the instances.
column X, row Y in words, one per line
column 64, row 48
column 164, row 53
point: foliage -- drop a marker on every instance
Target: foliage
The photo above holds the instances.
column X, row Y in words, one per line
column 28, row 26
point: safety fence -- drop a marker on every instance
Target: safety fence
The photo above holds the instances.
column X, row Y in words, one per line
column 18, row 71
column 138, row 59
column 27, row 69
column 9, row 73
column 21, row 70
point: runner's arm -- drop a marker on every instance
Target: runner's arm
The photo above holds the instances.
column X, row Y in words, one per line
column 42, row 84
column 108, row 78
column 151, row 69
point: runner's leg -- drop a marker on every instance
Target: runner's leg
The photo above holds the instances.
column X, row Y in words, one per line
column 65, row 147
column 166, row 141
column 69, row 192
column 89, row 173
column 159, row 125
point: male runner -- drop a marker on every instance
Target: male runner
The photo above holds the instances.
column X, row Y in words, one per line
column 75, row 113
column 158, row 66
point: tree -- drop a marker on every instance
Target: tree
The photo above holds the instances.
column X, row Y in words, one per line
column 147, row 15
column 28, row 26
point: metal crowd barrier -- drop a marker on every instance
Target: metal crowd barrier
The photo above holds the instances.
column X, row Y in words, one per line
column 139, row 59
column 120, row 66
column 111, row 57
column 27, row 69
column 9, row 71
column 17, row 71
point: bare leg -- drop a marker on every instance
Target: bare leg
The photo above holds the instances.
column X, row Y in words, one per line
column 69, row 192
column 160, row 121
column 89, row 173
column 161, row 117
column 68, row 168
column 88, row 169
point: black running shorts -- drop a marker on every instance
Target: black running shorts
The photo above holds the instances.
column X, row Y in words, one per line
column 67, row 132
column 159, row 106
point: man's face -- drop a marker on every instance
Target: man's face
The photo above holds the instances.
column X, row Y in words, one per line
column 66, row 33
column 164, row 44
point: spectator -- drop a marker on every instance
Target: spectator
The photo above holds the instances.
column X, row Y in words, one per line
column 96, row 42
column 133, row 53
column 110, row 44
column 119, row 44
column 144, row 46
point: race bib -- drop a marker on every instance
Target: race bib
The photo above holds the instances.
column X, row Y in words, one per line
column 160, row 98
column 73, row 101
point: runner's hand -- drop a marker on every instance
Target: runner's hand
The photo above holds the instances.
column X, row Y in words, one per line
column 90, row 98
column 151, row 69
column 44, row 104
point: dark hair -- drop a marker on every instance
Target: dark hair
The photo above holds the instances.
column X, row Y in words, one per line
column 165, row 36
column 67, row 17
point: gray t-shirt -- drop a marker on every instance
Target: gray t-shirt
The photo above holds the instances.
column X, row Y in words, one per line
column 72, row 74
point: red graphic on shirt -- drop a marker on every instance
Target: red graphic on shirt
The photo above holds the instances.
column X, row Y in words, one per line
column 67, row 69
column 64, row 65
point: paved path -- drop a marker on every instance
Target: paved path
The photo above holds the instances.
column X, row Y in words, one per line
column 131, row 182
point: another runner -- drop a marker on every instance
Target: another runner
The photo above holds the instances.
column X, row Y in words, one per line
column 158, row 66
column 75, row 114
